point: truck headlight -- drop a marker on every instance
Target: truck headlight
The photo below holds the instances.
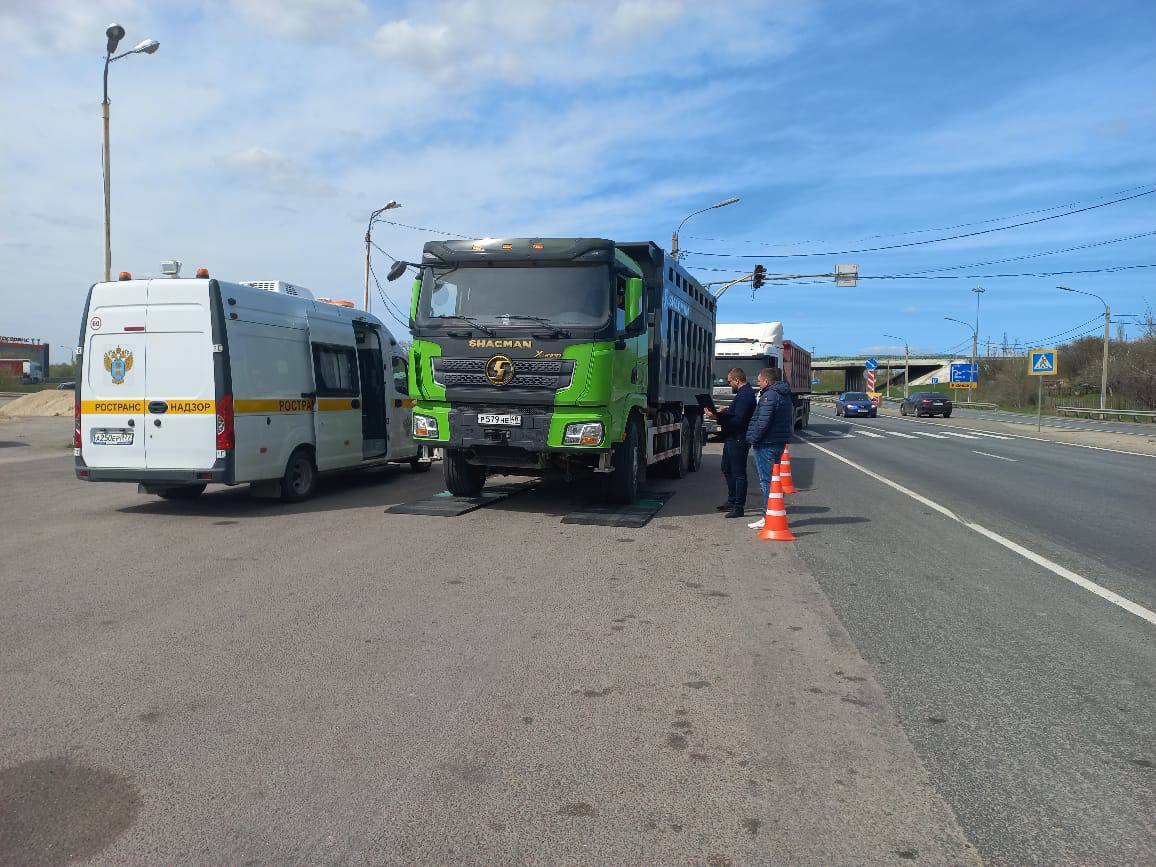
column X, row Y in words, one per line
column 583, row 433
column 425, row 426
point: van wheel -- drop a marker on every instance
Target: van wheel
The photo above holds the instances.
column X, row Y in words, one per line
column 463, row 479
column 622, row 484
column 697, row 437
column 184, row 492
column 420, row 466
column 300, row 479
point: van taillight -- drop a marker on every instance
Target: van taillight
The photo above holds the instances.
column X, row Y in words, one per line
column 76, row 439
column 225, row 437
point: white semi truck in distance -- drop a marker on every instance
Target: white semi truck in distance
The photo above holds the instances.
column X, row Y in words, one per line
column 753, row 346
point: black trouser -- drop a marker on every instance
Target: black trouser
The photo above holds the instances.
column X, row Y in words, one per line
column 734, row 467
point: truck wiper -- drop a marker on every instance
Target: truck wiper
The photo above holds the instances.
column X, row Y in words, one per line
column 555, row 330
column 482, row 328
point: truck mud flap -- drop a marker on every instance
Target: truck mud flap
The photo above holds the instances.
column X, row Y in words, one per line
column 646, row 506
column 445, row 505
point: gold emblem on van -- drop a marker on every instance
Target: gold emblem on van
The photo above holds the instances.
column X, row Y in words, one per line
column 118, row 362
column 499, row 370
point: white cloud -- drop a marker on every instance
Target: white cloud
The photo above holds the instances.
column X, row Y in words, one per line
column 319, row 20
column 60, row 25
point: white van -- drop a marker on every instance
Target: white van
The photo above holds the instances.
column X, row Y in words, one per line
column 187, row 381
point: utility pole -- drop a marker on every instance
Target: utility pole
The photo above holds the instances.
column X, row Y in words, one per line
column 389, row 206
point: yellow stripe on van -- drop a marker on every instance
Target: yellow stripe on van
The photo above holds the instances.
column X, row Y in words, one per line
column 335, row 404
column 176, row 406
column 111, row 407
column 191, row 407
column 272, row 405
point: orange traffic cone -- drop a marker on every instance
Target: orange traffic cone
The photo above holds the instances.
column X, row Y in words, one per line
column 775, row 527
column 785, row 472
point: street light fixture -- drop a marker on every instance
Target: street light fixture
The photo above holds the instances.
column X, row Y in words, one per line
column 388, row 206
column 115, row 34
column 974, row 339
column 906, row 363
column 674, row 235
column 1107, row 324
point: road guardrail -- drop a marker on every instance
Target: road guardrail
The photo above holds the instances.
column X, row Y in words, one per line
column 1080, row 411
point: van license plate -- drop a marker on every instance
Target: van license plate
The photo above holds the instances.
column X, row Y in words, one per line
column 112, row 436
column 508, row 420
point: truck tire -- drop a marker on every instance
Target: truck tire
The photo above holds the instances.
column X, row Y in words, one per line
column 697, row 437
column 463, row 479
column 300, row 480
column 621, row 486
column 182, row 492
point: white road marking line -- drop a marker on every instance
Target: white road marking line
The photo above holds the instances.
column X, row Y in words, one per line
column 997, row 457
column 962, row 436
column 867, row 433
column 989, row 435
column 924, row 433
column 1067, row 574
column 896, row 433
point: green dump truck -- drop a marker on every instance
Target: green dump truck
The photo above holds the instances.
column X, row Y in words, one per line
column 537, row 355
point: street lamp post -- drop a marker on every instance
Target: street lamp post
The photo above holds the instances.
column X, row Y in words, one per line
column 906, row 363
column 389, row 206
column 974, row 344
column 1107, row 333
column 674, row 235
column 115, row 34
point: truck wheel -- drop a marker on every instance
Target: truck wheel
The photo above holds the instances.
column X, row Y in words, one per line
column 697, row 435
column 463, row 479
column 622, row 484
column 300, row 480
column 183, row 492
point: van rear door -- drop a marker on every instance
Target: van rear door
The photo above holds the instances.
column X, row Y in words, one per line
column 112, row 386
column 180, row 391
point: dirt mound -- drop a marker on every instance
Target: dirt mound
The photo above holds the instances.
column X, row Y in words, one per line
column 40, row 403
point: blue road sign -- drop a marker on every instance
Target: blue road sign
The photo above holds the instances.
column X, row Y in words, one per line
column 935, row 380
column 965, row 373
column 871, row 364
column 815, row 381
column 1042, row 362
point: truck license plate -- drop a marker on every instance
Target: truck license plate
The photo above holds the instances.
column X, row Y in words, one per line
column 508, row 420
column 112, row 436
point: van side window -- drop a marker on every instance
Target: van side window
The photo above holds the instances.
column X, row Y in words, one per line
column 335, row 368
column 400, row 374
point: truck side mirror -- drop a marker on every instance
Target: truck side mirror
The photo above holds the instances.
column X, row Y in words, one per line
column 413, row 296
column 633, row 299
column 396, row 270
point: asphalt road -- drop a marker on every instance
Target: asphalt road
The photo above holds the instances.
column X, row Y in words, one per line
column 239, row 681
column 243, row 681
column 1130, row 428
column 1031, row 700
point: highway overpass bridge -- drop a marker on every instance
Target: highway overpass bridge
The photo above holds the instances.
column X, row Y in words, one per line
column 890, row 367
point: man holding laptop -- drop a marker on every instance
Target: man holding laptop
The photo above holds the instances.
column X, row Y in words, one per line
column 733, row 420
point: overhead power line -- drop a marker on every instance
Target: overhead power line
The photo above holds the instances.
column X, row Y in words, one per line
column 936, row 229
column 788, row 280
column 1021, row 224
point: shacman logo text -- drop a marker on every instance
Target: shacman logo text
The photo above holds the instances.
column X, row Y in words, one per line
column 501, row 344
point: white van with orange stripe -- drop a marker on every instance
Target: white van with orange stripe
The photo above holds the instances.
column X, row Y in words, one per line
column 191, row 381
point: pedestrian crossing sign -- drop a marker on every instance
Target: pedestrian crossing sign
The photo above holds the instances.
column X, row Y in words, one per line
column 1042, row 362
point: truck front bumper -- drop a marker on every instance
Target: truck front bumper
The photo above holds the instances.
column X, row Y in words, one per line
column 542, row 429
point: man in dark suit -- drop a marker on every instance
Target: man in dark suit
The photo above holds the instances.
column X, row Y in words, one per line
column 734, row 420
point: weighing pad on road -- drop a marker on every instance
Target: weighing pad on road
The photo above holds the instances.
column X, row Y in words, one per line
column 446, row 505
column 645, row 507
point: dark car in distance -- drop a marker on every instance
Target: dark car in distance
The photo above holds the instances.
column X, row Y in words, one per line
column 926, row 403
column 851, row 403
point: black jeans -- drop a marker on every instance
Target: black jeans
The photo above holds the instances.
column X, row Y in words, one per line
column 734, row 467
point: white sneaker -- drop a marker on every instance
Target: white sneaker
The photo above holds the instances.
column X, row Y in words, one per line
column 757, row 525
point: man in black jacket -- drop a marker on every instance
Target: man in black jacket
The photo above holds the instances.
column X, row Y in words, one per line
column 770, row 428
column 733, row 421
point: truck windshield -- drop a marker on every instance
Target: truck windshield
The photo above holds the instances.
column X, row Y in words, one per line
column 569, row 295
column 749, row 366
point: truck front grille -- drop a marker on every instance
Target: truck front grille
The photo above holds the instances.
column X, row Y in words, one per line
column 529, row 374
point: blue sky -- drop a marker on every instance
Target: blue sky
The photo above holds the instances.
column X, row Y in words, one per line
column 259, row 137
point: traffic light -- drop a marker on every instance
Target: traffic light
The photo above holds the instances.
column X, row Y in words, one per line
column 758, row 277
